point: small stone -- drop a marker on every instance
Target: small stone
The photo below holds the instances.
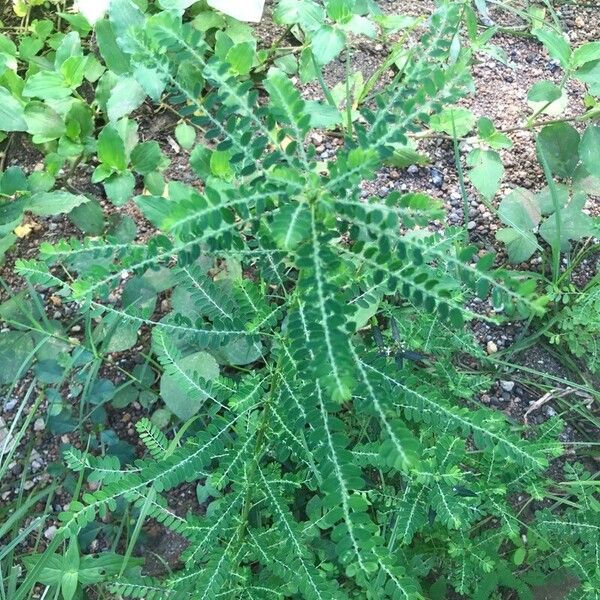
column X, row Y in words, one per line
column 471, row 225
column 318, row 138
column 550, row 411
column 485, row 399
column 50, row 532
column 6, row 439
column 39, row 425
column 10, row 405
column 491, row 347
column 28, row 485
column 76, row 328
column 437, row 178
column 507, row 386
column 413, row 170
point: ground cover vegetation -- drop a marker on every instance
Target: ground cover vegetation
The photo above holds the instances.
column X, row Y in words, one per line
column 308, row 363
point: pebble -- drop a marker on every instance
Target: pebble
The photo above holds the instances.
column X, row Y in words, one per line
column 437, row 178
column 507, row 386
column 471, row 225
column 10, row 405
column 6, row 440
column 413, row 170
column 491, row 347
column 39, row 425
column 50, row 532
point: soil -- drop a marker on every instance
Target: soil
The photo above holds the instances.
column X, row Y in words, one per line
column 501, row 92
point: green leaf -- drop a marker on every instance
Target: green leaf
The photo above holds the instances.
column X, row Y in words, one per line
column 519, row 556
column 559, row 146
column 589, row 73
column 185, row 135
column 486, row 171
column 89, row 217
column 114, row 58
column 200, row 364
column 405, row 155
column 151, row 80
column 327, row 43
column 307, row 13
column 124, row 98
column 585, row 53
column 491, row 136
column 119, row 187
column 589, row 150
column 544, row 91
column 125, row 15
column 291, row 225
column 43, row 122
column 111, row 149
column 147, row 157
column 464, row 121
column 12, row 114
column 47, row 85
column 574, row 223
column 241, row 58
column 241, row 351
column 546, row 201
column 52, row 570
column 54, row 203
column 521, row 212
column 583, row 181
column 556, row 44
column 15, row 350
column 322, row 115
column 220, row 165
column 339, row 10
column 69, row 47
column 360, row 25
column 68, row 584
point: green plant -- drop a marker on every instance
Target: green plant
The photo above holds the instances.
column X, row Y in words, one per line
column 578, row 326
column 307, row 342
column 20, row 193
column 563, row 153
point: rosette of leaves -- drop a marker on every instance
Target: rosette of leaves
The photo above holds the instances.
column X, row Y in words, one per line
column 121, row 156
column 337, row 471
column 325, row 29
column 46, row 100
column 556, row 213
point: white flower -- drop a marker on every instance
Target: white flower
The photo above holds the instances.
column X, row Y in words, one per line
column 242, row 10
column 92, row 10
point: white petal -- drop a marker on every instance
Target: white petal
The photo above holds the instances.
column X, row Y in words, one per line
column 92, row 10
column 242, row 10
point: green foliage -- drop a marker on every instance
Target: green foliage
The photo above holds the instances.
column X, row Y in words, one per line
column 308, row 336
column 562, row 152
column 578, row 327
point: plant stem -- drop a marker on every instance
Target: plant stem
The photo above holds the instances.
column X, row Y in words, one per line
column 258, row 446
